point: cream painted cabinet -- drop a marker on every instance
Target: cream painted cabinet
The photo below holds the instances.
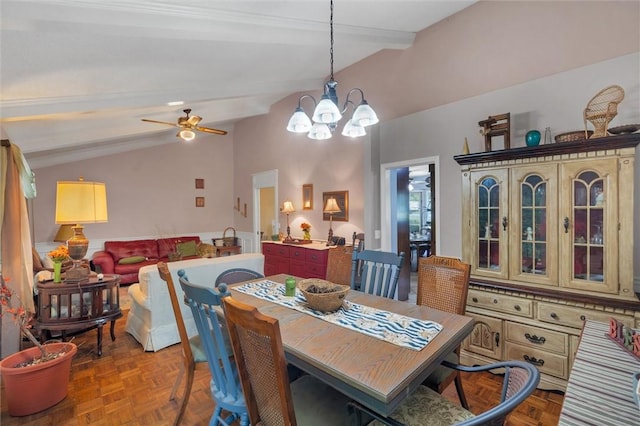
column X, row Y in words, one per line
column 548, row 232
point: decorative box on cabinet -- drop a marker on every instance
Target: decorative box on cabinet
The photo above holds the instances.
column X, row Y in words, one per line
column 304, row 261
column 548, row 232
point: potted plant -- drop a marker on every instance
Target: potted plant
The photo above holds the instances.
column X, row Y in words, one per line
column 35, row 378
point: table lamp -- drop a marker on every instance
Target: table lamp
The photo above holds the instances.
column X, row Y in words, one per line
column 331, row 207
column 79, row 202
column 287, row 208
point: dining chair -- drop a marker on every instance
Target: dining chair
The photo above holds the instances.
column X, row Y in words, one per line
column 192, row 352
column 236, row 275
column 226, row 389
column 379, row 272
column 426, row 407
column 271, row 398
column 443, row 284
column 339, row 265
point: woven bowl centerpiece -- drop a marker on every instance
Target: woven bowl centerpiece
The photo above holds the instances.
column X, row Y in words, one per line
column 322, row 295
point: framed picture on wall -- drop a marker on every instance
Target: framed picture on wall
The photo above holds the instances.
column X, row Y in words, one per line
column 342, row 198
column 307, row 196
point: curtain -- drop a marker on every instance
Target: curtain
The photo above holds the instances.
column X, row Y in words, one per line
column 17, row 183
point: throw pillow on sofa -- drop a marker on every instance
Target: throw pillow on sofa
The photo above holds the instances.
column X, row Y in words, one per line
column 186, row 249
column 132, row 259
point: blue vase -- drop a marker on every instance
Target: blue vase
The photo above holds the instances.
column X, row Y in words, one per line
column 533, row 138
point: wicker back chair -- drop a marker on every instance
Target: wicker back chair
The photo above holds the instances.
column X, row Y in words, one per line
column 425, row 407
column 601, row 109
column 339, row 265
column 192, row 352
column 379, row 272
column 225, row 385
column 271, row 399
column 443, row 284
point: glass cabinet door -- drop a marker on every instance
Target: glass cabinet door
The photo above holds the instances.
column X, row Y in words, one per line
column 589, row 228
column 489, row 224
column 533, row 241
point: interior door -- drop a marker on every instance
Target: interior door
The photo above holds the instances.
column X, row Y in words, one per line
column 265, row 212
column 402, row 227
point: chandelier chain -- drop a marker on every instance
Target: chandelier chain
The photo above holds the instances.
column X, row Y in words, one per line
column 331, row 48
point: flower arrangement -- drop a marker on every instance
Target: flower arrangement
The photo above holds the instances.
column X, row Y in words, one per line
column 59, row 254
column 306, row 227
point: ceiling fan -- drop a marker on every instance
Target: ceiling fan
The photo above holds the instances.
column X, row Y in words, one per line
column 187, row 126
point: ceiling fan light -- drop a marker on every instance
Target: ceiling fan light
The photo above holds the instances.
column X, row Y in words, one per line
column 353, row 130
column 319, row 131
column 364, row 115
column 326, row 111
column 186, row 135
column 299, row 122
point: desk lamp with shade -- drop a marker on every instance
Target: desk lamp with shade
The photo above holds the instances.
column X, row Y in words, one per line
column 331, row 207
column 79, row 202
column 287, row 208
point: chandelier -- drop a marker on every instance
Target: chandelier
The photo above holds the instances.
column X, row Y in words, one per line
column 327, row 113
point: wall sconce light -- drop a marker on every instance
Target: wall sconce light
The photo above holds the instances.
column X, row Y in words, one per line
column 331, row 207
column 287, row 208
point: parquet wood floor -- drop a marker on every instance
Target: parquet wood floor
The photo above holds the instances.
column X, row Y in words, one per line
column 127, row 386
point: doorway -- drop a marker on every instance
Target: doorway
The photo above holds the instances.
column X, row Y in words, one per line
column 402, row 217
column 265, row 212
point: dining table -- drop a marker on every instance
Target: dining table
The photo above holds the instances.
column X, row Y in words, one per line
column 373, row 372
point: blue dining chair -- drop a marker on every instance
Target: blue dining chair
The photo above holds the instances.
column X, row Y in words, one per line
column 236, row 275
column 376, row 272
column 226, row 389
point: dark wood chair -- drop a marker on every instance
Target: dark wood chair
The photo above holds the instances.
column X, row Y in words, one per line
column 192, row 352
column 226, row 389
column 379, row 272
column 271, row 399
column 443, row 284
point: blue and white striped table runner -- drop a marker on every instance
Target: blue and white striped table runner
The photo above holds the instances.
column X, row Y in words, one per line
column 394, row 328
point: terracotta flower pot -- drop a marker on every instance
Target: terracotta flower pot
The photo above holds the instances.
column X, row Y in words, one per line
column 37, row 387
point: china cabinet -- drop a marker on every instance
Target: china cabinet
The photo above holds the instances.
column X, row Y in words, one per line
column 548, row 231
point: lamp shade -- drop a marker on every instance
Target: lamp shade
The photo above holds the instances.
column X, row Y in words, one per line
column 331, row 206
column 364, row 115
column 353, row 130
column 319, row 132
column 287, row 207
column 81, row 202
column 299, row 122
column 326, row 111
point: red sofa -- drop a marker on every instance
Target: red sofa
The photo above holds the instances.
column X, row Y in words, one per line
column 127, row 257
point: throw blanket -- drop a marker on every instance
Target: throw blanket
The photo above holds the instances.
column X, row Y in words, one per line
column 394, row 328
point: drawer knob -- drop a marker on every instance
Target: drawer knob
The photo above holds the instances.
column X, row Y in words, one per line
column 533, row 360
column 554, row 315
column 517, row 308
column 582, row 318
column 535, row 339
column 475, row 299
column 495, row 300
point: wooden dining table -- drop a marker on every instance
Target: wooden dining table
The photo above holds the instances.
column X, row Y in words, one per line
column 375, row 373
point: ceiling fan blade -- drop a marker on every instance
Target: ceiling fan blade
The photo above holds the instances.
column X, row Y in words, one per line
column 160, row 122
column 209, row 130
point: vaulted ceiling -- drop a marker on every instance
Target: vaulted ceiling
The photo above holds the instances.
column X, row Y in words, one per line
column 77, row 76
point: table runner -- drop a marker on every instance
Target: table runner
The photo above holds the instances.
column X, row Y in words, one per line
column 394, row 328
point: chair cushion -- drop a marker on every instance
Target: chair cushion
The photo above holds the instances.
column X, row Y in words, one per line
column 131, row 259
column 426, row 407
column 316, row 403
column 442, row 372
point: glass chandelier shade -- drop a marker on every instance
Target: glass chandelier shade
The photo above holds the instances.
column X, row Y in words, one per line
column 327, row 112
column 186, row 135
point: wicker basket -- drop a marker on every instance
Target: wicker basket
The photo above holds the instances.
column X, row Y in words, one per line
column 229, row 241
column 328, row 301
column 577, row 135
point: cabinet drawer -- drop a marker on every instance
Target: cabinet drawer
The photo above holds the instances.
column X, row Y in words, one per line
column 297, row 253
column 317, row 256
column 315, row 270
column 553, row 364
column 501, row 303
column 275, row 250
column 536, row 337
column 574, row 317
